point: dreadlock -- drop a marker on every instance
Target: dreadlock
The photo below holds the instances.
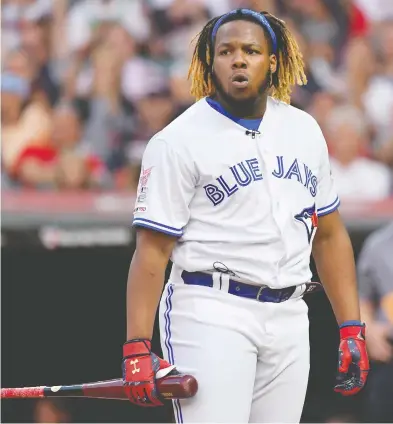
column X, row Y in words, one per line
column 290, row 65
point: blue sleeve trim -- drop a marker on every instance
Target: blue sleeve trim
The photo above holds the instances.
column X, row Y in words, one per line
column 158, row 223
column 147, row 223
column 329, row 208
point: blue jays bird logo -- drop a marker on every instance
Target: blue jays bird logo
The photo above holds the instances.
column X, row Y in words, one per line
column 309, row 218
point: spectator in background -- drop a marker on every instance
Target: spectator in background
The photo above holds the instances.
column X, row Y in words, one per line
column 143, row 74
column 89, row 20
column 175, row 28
column 323, row 27
column 357, row 69
column 303, row 95
column 357, row 176
column 154, row 112
column 35, row 39
column 15, row 13
column 112, row 57
column 384, row 152
column 377, row 97
column 375, row 279
column 61, row 164
column 110, row 121
column 107, row 123
column 322, row 22
column 321, row 106
column 180, row 88
column 25, row 112
column 376, row 11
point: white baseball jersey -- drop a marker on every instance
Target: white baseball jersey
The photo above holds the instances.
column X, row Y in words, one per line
column 248, row 201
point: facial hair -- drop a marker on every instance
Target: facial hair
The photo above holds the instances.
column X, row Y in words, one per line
column 243, row 106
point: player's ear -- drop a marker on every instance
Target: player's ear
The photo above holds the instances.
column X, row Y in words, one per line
column 273, row 63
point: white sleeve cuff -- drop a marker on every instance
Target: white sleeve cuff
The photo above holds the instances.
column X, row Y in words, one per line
column 329, row 208
column 147, row 223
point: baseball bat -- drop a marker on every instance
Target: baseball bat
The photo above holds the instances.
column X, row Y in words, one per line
column 174, row 386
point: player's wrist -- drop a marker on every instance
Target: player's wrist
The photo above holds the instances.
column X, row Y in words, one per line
column 136, row 347
column 353, row 328
column 353, row 322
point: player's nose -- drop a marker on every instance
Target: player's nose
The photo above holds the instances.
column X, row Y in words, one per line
column 238, row 61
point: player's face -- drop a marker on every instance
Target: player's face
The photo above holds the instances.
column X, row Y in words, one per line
column 242, row 65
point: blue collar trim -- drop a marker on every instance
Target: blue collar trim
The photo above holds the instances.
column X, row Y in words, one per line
column 249, row 124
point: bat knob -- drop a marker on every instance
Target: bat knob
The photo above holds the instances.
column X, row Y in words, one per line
column 190, row 385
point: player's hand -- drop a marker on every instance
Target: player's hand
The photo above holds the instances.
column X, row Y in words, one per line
column 353, row 363
column 141, row 367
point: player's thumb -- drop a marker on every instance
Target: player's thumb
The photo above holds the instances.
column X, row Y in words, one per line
column 161, row 367
column 164, row 371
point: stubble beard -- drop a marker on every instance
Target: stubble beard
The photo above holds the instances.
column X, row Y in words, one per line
column 245, row 106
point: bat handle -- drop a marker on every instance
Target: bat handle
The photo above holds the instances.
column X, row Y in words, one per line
column 23, row 392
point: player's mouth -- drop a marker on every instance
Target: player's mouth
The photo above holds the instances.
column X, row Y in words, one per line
column 240, row 80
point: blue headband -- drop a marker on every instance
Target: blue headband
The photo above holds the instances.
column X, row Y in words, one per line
column 247, row 12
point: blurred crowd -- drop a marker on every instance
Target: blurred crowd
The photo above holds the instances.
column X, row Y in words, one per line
column 85, row 84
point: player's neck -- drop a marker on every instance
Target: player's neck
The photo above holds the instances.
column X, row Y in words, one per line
column 245, row 110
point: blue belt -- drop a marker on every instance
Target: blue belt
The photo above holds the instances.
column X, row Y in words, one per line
column 262, row 294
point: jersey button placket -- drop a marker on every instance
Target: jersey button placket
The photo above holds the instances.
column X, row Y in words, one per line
column 263, row 151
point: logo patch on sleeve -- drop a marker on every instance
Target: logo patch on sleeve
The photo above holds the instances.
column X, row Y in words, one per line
column 144, row 177
column 141, row 198
column 140, row 209
column 142, row 189
column 309, row 218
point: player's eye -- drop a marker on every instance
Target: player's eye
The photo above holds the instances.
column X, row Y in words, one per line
column 252, row 51
column 224, row 52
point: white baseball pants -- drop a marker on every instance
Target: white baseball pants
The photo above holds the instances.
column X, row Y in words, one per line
column 251, row 359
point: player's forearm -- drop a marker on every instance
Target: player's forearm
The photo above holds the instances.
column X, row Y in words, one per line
column 333, row 255
column 144, row 288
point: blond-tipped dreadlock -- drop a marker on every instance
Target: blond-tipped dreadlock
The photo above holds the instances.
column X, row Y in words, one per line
column 290, row 65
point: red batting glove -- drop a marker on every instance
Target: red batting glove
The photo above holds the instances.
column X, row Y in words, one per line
column 353, row 363
column 140, row 368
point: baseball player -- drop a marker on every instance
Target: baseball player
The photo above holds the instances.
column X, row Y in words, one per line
column 237, row 192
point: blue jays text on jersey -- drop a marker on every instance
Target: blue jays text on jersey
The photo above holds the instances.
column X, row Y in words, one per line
column 249, row 170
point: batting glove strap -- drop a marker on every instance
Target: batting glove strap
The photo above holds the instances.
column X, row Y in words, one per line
column 351, row 322
column 136, row 347
column 357, row 331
